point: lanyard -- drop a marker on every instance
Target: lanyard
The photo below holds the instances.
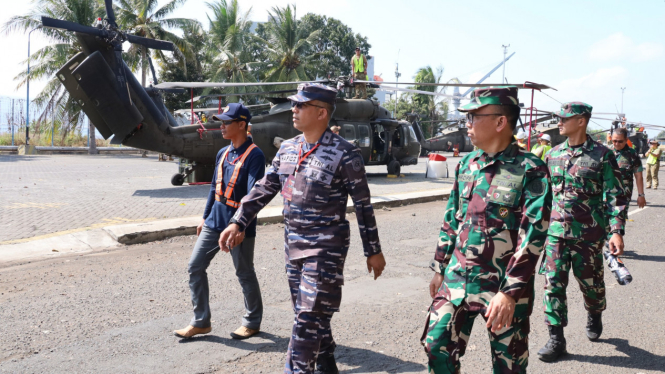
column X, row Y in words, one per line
column 303, row 158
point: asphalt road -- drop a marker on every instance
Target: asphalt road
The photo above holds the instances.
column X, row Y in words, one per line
column 113, row 310
column 44, row 196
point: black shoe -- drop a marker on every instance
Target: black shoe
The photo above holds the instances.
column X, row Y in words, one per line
column 326, row 365
column 555, row 347
column 594, row 326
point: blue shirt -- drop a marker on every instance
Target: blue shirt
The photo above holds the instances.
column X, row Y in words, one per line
column 217, row 215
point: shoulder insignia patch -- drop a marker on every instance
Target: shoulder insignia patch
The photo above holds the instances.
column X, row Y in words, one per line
column 536, row 187
column 357, row 164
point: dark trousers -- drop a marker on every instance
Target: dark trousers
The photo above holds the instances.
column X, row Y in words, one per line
column 243, row 261
column 316, row 292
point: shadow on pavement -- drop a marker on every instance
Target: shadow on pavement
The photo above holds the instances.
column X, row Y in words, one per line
column 181, row 192
column 630, row 255
column 361, row 360
column 637, row 358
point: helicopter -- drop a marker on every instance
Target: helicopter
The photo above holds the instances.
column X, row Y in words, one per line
column 120, row 107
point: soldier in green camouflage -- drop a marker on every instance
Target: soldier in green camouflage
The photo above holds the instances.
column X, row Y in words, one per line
column 630, row 166
column 493, row 232
column 587, row 195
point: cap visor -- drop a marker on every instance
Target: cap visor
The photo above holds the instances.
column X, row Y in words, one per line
column 222, row 117
column 470, row 106
column 299, row 98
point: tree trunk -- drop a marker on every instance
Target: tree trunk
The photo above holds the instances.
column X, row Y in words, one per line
column 143, row 65
column 92, row 149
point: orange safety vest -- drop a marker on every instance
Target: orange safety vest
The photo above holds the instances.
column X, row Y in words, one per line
column 226, row 198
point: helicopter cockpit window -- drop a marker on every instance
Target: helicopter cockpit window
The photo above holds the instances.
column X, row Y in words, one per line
column 364, row 136
column 412, row 134
column 349, row 132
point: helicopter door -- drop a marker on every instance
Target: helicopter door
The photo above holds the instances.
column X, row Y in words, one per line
column 358, row 135
column 364, row 142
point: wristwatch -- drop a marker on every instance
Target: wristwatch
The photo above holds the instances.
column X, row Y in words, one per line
column 233, row 220
column 641, row 195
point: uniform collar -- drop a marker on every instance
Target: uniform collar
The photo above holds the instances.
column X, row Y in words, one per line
column 507, row 156
column 587, row 146
column 325, row 139
column 243, row 147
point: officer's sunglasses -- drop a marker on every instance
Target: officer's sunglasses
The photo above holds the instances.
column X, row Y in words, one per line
column 471, row 117
column 227, row 123
column 299, row 105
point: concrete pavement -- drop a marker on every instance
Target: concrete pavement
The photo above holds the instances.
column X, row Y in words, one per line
column 113, row 310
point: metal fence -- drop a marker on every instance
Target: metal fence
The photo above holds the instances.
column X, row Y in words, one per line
column 12, row 120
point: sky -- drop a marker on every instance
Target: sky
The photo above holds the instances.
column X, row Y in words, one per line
column 587, row 50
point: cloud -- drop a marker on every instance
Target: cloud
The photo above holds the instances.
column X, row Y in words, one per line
column 620, row 47
column 600, row 78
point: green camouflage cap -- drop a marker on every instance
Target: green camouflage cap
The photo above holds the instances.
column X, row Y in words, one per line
column 573, row 108
column 498, row 95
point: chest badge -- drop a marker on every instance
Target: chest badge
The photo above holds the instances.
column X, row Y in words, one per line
column 503, row 212
column 496, row 195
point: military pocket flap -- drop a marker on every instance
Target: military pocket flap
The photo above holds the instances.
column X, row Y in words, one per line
column 465, row 185
column 286, row 169
column 503, row 196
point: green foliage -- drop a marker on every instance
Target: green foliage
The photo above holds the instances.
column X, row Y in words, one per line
column 143, row 18
column 335, row 46
column 661, row 135
column 54, row 101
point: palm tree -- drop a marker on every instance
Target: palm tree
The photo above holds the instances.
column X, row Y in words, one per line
column 54, row 100
column 229, row 34
column 427, row 75
column 143, row 18
column 287, row 46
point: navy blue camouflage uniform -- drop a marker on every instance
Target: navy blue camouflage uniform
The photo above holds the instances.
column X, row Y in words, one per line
column 316, row 234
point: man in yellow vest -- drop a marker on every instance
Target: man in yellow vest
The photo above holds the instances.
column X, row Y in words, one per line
column 359, row 69
column 653, row 163
column 238, row 167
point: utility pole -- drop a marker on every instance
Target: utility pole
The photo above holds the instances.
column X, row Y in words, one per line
column 27, row 112
column 505, row 51
column 397, row 75
column 622, row 89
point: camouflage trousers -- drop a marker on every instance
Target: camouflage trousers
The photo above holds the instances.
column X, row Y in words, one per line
column 447, row 333
column 586, row 260
column 361, row 88
column 316, row 292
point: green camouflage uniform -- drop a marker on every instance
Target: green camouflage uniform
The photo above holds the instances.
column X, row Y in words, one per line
column 629, row 163
column 493, row 232
column 582, row 178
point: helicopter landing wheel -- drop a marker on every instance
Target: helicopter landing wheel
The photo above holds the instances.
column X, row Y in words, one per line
column 177, row 179
column 394, row 167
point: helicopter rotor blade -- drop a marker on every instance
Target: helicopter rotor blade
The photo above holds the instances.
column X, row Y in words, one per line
column 110, row 15
column 222, row 84
column 150, row 43
column 71, row 26
column 262, row 93
column 525, row 86
column 388, row 89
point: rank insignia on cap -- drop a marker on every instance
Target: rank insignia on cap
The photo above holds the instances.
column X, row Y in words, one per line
column 226, row 109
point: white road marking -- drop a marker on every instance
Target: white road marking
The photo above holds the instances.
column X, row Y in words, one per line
column 638, row 210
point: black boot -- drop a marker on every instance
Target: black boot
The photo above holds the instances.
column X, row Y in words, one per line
column 555, row 347
column 594, row 326
column 326, row 365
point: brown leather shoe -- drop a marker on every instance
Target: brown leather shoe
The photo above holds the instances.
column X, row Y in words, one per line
column 190, row 331
column 243, row 333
